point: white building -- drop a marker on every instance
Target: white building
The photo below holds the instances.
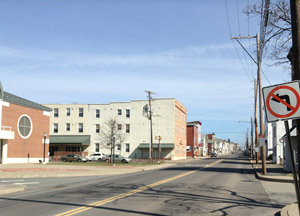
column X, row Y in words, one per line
column 80, row 127
column 274, row 144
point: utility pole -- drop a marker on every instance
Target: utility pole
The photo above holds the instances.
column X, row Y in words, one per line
column 295, row 20
column 251, row 139
column 255, row 121
column 247, row 140
column 258, row 63
column 261, row 131
column 150, row 120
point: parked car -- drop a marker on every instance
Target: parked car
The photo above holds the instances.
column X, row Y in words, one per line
column 73, row 157
column 95, row 157
column 117, row 158
column 214, row 154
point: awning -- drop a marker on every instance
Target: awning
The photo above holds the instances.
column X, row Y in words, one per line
column 155, row 145
column 70, row 139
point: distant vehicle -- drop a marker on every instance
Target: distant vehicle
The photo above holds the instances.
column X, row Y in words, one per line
column 73, row 157
column 95, row 157
column 214, row 154
column 117, row 158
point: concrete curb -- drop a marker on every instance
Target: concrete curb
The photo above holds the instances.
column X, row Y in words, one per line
column 283, row 179
column 290, row 210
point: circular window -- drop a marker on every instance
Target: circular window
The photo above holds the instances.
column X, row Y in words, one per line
column 25, row 126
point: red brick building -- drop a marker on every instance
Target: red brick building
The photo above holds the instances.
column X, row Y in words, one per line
column 193, row 139
column 24, row 130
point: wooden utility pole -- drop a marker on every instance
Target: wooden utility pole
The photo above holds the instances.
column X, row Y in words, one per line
column 251, row 139
column 255, row 120
column 258, row 63
column 150, row 120
column 295, row 19
column 261, row 124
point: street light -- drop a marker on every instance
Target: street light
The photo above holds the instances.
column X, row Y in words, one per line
column 45, row 136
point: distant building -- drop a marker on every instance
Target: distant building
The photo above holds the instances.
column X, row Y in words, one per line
column 204, row 143
column 194, row 146
column 211, row 139
column 23, row 125
column 78, row 128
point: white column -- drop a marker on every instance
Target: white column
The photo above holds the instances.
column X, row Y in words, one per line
column 4, row 153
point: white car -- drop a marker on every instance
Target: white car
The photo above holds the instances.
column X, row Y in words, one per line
column 95, row 157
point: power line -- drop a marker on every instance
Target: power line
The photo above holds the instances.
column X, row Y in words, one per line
column 238, row 19
column 242, row 62
column 228, row 18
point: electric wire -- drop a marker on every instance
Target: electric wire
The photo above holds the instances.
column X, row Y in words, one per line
column 241, row 61
column 266, row 76
column 247, row 63
column 226, row 8
column 228, row 18
column 237, row 10
column 249, row 44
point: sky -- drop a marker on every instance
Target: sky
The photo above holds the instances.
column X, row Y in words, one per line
column 101, row 51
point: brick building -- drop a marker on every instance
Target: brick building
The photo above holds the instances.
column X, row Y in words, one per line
column 24, row 128
column 194, row 147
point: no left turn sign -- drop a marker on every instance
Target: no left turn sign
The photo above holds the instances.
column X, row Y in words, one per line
column 282, row 101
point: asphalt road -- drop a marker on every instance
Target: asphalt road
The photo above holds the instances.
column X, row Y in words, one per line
column 218, row 186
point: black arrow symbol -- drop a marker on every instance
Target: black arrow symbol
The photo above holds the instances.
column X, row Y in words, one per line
column 283, row 97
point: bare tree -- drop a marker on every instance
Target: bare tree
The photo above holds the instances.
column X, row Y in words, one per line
column 110, row 136
column 275, row 29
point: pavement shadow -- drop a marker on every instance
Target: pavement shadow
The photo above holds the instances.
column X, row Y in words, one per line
column 175, row 201
column 211, row 169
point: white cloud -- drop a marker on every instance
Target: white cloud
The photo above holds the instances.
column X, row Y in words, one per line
column 209, row 80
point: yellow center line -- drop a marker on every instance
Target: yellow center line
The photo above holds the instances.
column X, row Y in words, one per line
column 114, row 198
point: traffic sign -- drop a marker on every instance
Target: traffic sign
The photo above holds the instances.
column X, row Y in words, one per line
column 282, row 101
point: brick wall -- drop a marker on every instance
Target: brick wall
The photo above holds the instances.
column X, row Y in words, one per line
column 32, row 146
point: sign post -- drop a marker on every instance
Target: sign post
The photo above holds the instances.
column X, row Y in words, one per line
column 159, row 138
column 282, row 102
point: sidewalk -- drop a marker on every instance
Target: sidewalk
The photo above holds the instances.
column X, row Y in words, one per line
column 276, row 173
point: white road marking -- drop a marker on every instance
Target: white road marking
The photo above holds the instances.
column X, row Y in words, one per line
column 19, row 180
column 25, row 183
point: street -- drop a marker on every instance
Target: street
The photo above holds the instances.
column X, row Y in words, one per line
column 219, row 186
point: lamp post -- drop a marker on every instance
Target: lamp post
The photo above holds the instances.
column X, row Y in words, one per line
column 45, row 136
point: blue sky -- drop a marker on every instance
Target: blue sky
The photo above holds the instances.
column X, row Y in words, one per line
column 65, row 51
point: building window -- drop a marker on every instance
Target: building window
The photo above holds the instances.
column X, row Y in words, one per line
column 55, row 112
column 127, row 128
column 97, row 147
column 80, row 128
column 119, row 112
column 97, row 113
column 80, row 112
column 119, row 127
column 127, row 147
column 55, row 128
column 68, row 111
column 119, row 147
column 128, row 113
column 25, row 126
column 68, row 127
column 97, row 128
